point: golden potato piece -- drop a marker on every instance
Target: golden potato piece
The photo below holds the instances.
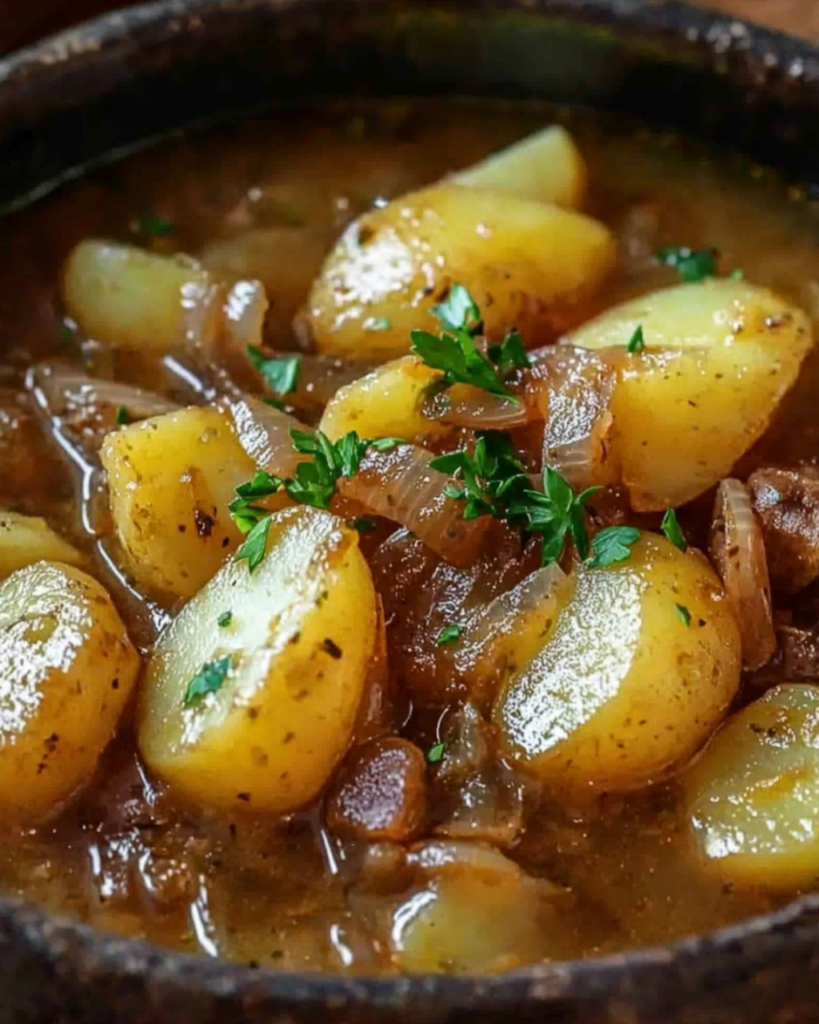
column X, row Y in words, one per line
column 170, row 481
column 637, row 672
column 28, row 539
column 137, row 299
column 288, row 671
column 546, row 166
column 67, row 669
column 385, row 403
column 719, row 357
column 753, row 797
column 528, row 265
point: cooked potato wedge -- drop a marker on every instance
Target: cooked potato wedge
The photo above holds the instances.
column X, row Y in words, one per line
column 636, row 674
column 137, row 299
column 298, row 645
column 385, row 403
column 753, row 797
column 719, row 356
column 475, row 911
column 170, row 481
column 67, row 669
column 546, row 166
column 528, row 265
column 25, row 540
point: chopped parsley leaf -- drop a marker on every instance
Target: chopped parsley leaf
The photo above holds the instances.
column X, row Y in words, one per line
column 208, row 679
column 737, row 275
column 155, row 227
column 313, row 483
column 281, row 374
column 673, row 531
column 225, row 619
column 449, row 634
column 490, row 477
column 123, row 416
column 684, row 614
column 637, row 342
column 612, row 545
column 455, row 353
column 436, row 753
column 691, row 264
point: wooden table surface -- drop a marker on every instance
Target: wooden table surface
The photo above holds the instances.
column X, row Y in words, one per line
column 24, row 20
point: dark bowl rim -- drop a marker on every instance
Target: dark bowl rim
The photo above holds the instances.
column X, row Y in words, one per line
column 55, row 937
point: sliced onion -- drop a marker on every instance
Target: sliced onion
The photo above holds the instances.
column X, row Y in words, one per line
column 264, row 433
column 466, row 406
column 573, row 388
column 497, row 641
column 401, row 486
column 81, row 410
column 738, row 551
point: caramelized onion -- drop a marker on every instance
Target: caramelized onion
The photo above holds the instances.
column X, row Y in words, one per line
column 738, row 552
column 401, row 486
column 466, row 406
column 81, row 410
column 264, row 433
column 574, row 388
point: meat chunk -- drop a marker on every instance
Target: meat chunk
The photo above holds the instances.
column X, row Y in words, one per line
column 787, row 503
column 381, row 792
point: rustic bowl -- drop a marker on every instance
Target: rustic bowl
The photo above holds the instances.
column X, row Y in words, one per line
column 112, row 84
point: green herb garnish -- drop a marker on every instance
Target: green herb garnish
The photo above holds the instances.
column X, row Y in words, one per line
column 637, row 342
column 557, row 513
column 155, row 227
column 455, row 353
column 673, row 531
column 208, row 679
column 449, row 634
column 490, row 477
column 123, row 417
column 691, row 264
column 362, row 525
column 281, row 373
column 225, row 620
column 684, row 614
column 313, row 483
column 612, row 545
column 436, row 753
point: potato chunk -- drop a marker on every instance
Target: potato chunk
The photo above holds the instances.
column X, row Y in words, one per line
column 753, row 797
column 528, row 265
column 546, row 166
column 28, row 539
column 301, row 634
column 719, row 357
column 136, row 299
column 67, row 669
column 385, row 403
column 635, row 675
column 473, row 911
column 171, row 479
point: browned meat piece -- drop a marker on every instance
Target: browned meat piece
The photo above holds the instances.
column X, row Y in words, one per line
column 787, row 502
column 381, row 792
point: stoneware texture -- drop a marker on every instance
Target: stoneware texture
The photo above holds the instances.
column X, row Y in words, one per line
column 116, row 82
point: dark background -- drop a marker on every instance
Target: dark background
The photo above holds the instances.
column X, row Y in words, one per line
column 22, row 21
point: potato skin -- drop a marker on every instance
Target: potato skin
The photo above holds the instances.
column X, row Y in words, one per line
column 528, row 265
column 67, row 669
column 25, row 540
column 623, row 692
column 385, row 403
column 753, row 796
column 170, row 481
column 301, row 637
column 719, row 357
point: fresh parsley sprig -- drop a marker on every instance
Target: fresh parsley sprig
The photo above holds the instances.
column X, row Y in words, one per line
column 313, row 483
column 672, row 530
column 556, row 513
column 209, row 679
column 489, row 477
column 455, row 353
column 281, row 374
column 691, row 264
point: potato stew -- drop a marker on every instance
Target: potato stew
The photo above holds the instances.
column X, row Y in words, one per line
column 409, row 541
